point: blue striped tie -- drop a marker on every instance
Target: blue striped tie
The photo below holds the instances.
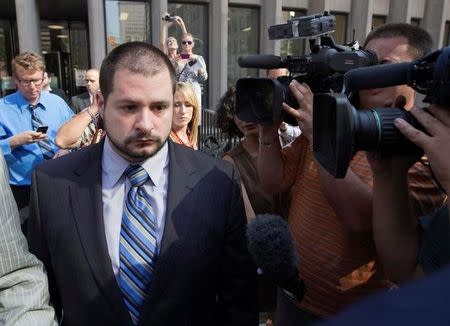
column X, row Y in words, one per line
column 45, row 145
column 137, row 243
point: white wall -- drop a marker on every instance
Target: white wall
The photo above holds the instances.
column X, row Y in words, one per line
column 338, row 5
column 381, row 7
column 296, row 4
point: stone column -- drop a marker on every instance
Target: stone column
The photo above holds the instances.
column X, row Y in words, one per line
column 218, row 51
column 158, row 9
column 399, row 11
column 360, row 20
column 270, row 15
column 28, row 26
column 97, row 31
column 434, row 20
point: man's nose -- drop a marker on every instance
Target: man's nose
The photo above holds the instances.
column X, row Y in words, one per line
column 144, row 120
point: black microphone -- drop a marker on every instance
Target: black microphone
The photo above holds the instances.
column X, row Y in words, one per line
column 273, row 250
column 378, row 76
column 266, row 61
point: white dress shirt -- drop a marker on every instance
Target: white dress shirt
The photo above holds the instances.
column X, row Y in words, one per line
column 115, row 186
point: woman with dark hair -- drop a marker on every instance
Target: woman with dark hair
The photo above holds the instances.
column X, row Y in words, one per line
column 244, row 156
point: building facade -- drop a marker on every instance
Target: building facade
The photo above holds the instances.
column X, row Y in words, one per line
column 74, row 35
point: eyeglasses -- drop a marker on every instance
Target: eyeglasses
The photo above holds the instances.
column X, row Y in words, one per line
column 186, row 42
column 27, row 82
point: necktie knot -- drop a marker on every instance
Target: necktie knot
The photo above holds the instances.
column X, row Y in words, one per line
column 137, row 175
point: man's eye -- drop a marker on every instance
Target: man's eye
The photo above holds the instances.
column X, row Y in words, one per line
column 159, row 108
column 128, row 108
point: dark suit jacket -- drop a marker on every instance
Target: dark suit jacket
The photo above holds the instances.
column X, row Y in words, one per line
column 423, row 302
column 80, row 102
column 204, row 275
column 60, row 93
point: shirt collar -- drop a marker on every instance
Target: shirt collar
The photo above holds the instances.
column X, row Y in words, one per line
column 23, row 103
column 113, row 165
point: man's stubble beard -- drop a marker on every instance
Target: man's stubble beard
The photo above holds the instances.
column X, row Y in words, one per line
column 133, row 155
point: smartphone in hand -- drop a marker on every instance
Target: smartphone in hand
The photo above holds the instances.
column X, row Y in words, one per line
column 42, row 129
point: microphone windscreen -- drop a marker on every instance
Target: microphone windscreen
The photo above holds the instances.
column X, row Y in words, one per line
column 272, row 247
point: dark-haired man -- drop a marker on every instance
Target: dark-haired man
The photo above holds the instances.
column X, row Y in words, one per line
column 137, row 229
column 331, row 219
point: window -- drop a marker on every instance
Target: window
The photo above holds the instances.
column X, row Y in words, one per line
column 7, row 51
column 195, row 17
column 126, row 21
column 446, row 41
column 243, row 39
column 292, row 47
column 341, row 27
column 378, row 20
column 79, row 45
column 64, row 46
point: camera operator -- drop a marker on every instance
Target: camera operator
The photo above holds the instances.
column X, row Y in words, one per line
column 331, row 219
column 404, row 245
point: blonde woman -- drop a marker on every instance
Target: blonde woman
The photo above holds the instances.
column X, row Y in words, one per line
column 186, row 116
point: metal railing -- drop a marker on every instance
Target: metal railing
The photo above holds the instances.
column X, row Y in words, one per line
column 208, row 129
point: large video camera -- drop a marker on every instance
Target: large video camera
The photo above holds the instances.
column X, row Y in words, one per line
column 260, row 100
column 339, row 130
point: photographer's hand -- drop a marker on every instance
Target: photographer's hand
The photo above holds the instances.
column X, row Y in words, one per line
column 303, row 114
column 437, row 144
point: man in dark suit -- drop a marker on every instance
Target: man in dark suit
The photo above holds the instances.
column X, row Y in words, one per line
column 137, row 229
column 82, row 101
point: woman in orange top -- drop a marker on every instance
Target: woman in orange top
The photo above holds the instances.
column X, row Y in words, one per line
column 186, row 116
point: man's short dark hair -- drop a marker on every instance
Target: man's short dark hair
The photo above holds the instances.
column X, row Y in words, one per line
column 138, row 57
column 419, row 40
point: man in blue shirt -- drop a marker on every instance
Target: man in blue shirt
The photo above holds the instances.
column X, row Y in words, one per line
column 23, row 143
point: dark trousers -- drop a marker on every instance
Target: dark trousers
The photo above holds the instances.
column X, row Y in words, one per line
column 288, row 314
column 22, row 197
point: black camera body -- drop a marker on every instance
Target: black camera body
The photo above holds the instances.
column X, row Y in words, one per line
column 340, row 130
column 259, row 100
column 169, row 18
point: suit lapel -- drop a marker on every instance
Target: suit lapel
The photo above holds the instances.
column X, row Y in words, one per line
column 86, row 196
column 182, row 177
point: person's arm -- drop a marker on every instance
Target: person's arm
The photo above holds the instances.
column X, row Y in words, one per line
column 435, row 143
column 180, row 22
column 202, row 74
column 394, row 225
column 24, row 292
column 357, row 216
column 163, row 35
column 270, row 162
column 69, row 134
column 249, row 212
column 25, row 138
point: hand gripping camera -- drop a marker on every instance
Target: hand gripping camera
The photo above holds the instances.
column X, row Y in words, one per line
column 340, row 130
